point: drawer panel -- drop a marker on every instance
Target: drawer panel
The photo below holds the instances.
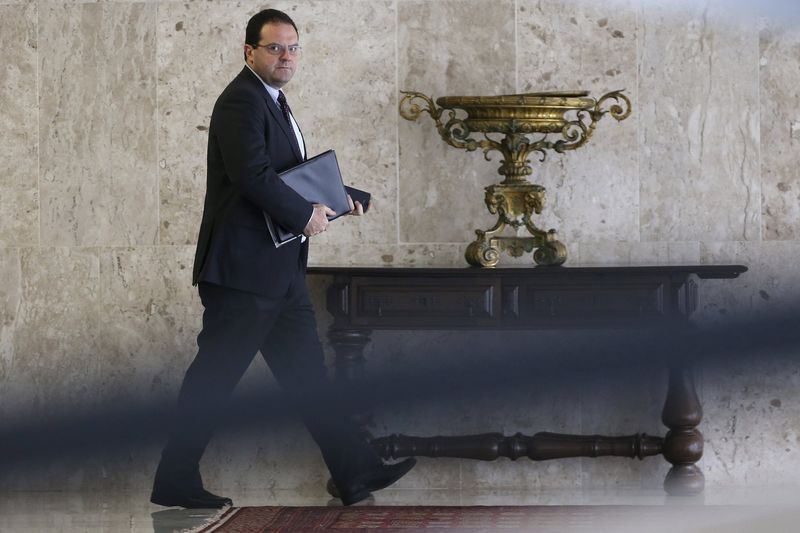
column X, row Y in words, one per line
column 610, row 302
column 440, row 303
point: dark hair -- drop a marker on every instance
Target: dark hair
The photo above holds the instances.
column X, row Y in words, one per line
column 253, row 32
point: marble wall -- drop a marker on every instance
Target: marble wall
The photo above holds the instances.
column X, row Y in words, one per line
column 104, row 109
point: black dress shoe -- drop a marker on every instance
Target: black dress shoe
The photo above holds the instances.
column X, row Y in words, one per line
column 190, row 499
column 374, row 479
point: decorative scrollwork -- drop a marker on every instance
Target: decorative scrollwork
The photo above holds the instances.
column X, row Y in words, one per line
column 491, row 256
column 616, row 111
column 575, row 134
column 552, row 253
column 456, row 133
column 410, row 110
column 480, row 254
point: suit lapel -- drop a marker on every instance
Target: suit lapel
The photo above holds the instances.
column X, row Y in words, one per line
column 277, row 115
column 287, row 129
column 276, row 112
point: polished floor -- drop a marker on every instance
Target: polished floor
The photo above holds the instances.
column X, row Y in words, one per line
column 755, row 510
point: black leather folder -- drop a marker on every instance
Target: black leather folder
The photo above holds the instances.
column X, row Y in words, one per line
column 319, row 181
column 360, row 196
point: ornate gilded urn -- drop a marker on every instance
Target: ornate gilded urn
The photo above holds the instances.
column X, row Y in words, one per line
column 559, row 121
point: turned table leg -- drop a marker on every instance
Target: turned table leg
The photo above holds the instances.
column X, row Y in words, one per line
column 348, row 345
column 683, row 444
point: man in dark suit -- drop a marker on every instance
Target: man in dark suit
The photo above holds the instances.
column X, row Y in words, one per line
column 253, row 292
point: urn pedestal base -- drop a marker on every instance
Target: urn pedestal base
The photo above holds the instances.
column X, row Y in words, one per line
column 515, row 202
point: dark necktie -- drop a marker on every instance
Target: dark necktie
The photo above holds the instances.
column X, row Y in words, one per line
column 286, row 114
column 285, row 108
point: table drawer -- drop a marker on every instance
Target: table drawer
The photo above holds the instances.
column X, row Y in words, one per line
column 600, row 303
column 431, row 305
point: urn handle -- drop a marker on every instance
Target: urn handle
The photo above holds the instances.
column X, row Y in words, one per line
column 454, row 132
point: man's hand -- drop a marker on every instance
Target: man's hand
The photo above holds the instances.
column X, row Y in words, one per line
column 355, row 209
column 319, row 220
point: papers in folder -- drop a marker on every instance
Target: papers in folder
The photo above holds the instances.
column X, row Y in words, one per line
column 319, row 181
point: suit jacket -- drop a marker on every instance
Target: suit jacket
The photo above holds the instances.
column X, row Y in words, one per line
column 249, row 142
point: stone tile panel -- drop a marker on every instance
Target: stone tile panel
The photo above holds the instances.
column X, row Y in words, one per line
column 699, row 124
column 56, row 337
column 141, row 276
column 153, row 316
column 199, row 52
column 97, row 109
column 779, row 87
column 751, row 420
column 19, row 151
column 10, row 299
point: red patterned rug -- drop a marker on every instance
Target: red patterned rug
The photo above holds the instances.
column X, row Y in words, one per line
column 403, row 519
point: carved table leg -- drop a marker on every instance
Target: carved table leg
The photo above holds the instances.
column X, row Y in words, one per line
column 348, row 345
column 683, row 444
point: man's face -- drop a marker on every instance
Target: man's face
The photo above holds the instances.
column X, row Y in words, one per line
column 275, row 70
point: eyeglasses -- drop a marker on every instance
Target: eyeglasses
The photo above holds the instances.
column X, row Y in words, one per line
column 276, row 49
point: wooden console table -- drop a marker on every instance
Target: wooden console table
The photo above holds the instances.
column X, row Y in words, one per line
column 365, row 299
